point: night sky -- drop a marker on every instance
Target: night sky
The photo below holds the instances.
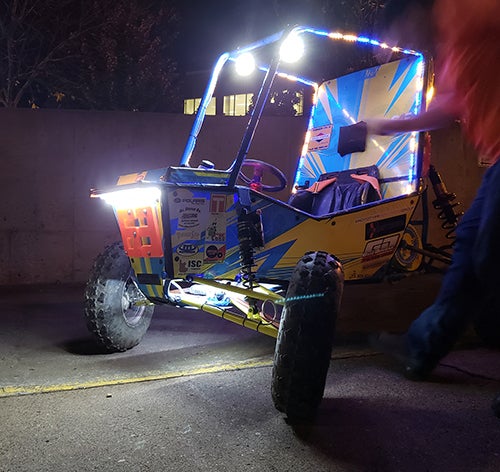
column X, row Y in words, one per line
column 211, row 27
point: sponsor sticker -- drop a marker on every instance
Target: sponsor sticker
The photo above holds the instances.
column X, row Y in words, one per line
column 320, row 138
column 216, row 229
column 190, row 235
column 189, row 265
column 218, row 203
column 215, row 252
column 187, row 249
column 379, row 248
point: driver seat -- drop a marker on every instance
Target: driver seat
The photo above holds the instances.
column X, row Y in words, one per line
column 339, row 191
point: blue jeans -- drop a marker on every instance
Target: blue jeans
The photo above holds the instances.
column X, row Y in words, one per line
column 471, row 284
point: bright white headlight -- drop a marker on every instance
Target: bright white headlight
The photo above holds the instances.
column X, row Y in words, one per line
column 132, row 198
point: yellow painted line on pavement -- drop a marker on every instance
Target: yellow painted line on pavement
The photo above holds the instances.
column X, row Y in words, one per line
column 10, row 391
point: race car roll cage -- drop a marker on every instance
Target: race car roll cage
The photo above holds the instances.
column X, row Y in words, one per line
column 271, row 70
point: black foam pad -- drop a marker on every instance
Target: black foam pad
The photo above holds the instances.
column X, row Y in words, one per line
column 352, row 138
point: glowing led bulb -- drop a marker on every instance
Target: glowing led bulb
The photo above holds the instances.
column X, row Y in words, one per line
column 292, row 48
column 245, row 64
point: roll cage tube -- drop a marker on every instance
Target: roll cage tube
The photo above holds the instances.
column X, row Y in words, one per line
column 202, row 110
column 270, row 73
column 209, row 91
column 253, row 122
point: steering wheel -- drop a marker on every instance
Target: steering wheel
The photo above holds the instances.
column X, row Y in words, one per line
column 259, row 167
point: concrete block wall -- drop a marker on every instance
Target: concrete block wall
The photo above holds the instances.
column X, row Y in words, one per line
column 50, row 230
column 457, row 162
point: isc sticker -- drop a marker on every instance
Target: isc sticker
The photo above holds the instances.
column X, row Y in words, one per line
column 189, row 265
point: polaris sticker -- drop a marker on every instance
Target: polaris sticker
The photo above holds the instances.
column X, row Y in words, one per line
column 188, row 211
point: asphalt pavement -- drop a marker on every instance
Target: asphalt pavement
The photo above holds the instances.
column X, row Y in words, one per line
column 195, row 394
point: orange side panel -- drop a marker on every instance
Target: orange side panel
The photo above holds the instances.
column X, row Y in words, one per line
column 141, row 231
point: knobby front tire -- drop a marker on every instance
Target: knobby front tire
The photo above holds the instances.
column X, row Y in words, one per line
column 305, row 337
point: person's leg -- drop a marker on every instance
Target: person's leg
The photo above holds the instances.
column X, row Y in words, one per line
column 487, row 263
column 432, row 335
column 487, row 269
column 495, row 406
column 487, row 244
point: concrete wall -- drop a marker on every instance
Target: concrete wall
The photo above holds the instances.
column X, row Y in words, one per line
column 50, row 230
column 457, row 162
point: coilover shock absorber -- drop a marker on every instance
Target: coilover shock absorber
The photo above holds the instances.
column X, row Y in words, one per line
column 445, row 203
column 250, row 236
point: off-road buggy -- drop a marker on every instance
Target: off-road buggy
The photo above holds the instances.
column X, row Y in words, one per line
column 199, row 236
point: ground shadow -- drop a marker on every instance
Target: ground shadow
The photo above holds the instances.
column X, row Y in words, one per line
column 84, row 347
column 375, row 435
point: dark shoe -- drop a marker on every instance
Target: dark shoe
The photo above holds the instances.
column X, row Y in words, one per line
column 396, row 346
column 495, row 406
